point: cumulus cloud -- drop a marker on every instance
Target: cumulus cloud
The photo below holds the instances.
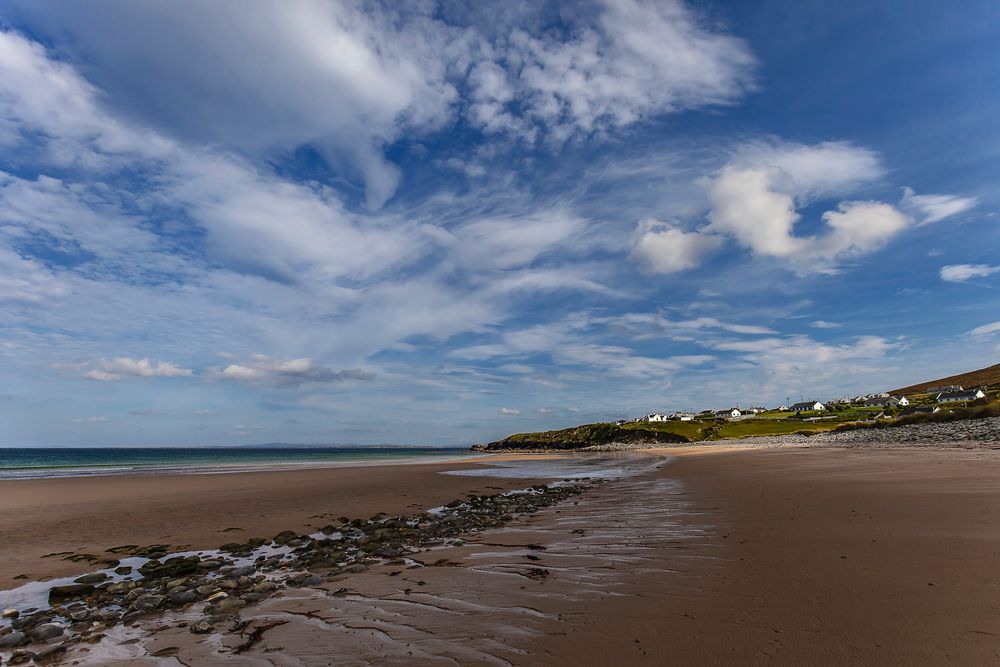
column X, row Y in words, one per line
column 120, row 368
column 960, row 273
column 755, row 199
column 661, row 248
column 934, row 208
column 290, row 372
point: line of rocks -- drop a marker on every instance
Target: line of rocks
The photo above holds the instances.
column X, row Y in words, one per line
column 83, row 611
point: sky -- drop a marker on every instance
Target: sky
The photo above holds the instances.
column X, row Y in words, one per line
column 438, row 222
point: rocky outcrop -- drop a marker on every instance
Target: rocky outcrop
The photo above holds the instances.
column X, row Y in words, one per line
column 582, row 437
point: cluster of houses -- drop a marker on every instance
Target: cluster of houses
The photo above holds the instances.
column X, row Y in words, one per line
column 942, row 395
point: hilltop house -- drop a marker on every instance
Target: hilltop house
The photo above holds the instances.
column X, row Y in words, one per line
column 729, row 412
column 961, row 396
column 887, row 402
column 683, row 416
column 656, row 417
column 921, row 409
column 944, row 389
column 805, row 406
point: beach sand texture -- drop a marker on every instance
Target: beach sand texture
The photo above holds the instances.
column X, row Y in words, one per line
column 780, row 556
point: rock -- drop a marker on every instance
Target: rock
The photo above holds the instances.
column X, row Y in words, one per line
column 45, row 631
column 123, row 570
column 148, row 602
column 312, row 580
column 229, row 584
column 210, row 564
column 229, row 606
column 69, row 591
column 284, row 537
column 264, row 587
column 49, row 652
column 217, row 596
column 207, row 589
column 93, row 578
column 253, row 597
column 244, row 571
column 20, row 656
column 200, row 628
column 183, row 598
column 15, row 638
column 10, row 613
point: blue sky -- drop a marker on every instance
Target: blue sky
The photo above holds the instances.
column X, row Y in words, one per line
column 440, row 223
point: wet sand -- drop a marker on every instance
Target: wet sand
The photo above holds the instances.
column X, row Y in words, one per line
column 87, row 515
column 782, row 556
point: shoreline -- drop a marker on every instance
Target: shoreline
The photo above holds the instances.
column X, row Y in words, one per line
column 706, row 554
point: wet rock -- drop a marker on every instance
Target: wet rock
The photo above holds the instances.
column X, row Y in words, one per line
column 284, row 537
column 46, row 631
column 93, row 578
column 227, row 607
column 49, row 653
column 69, row 591
column 123, row 570
column 210, row 564
column 148, row 602
column 183, row 598
column 253, row 597
column 21, row 656
column 15, row 638
column 207, row 589
column 312, row 580
column 10, row 613
column 264, row 587
column 244, row 571
column 200, row 628
column 215, row 597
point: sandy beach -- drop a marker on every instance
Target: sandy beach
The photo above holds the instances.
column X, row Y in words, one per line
column 719, row 556
column 88, row 515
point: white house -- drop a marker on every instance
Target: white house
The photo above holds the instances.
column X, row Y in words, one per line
column 961, row 396
column 729, row 412
column 805, row 406
column 684, row 416
column 887, row 402
column 944, row 389
column 657, row 417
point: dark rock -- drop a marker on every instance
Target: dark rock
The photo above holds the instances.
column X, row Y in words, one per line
column 20, row 656
column 183, row 598
column 244, row 571
column 148, row 602
column 200, row 628
column 45, row 631
column 69, row 591
column 284, row 537
column 49, row 652
column 124, row 569
column 93, row 578
column 15, row 638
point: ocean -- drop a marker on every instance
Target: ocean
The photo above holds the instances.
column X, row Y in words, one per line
column 35, row 463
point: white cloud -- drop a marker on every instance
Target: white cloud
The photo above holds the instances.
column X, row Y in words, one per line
column 512, row 412
column 823, row 324
column 639, row 59
column 960, row 273
column 754, row 199
column 291, row 372
column 661, row 248
column 984, row 330
column 121, row 367
column 89, row 420
column 927, row 209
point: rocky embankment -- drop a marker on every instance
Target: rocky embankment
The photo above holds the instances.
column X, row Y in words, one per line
column 581, row 437
column 222, row 583
column 965, row 433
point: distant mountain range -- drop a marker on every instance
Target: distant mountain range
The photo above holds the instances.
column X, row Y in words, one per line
column 984, row 376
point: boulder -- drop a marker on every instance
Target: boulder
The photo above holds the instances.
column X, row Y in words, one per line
column 15, row 638
column 46, row 631
column 92, row 578
column 69, row 591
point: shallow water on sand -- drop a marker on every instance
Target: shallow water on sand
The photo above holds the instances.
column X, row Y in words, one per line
column 487, row 602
